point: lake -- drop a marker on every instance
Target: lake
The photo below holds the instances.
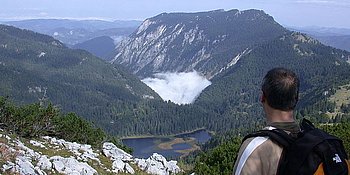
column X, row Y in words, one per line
column 171, row 147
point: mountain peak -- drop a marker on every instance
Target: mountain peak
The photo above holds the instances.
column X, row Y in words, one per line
column 247, row 14
column 203, row 41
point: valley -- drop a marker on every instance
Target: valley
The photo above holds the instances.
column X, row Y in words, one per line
column 150, row 85
column 117, row 101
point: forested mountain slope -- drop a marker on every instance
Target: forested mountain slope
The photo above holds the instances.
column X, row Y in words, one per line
column 37, row 67
column 234, row 93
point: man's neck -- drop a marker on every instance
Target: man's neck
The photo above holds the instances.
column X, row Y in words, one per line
column 275, row 115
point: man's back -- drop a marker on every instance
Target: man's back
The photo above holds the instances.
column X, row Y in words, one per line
column 261, row 155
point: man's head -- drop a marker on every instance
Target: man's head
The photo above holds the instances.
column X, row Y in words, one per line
column 280, row 89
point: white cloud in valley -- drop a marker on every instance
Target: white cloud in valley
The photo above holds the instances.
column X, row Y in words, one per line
column 180, row 88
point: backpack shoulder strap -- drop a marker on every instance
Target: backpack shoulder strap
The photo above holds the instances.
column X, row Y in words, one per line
column 276, row 135
column 280, row 137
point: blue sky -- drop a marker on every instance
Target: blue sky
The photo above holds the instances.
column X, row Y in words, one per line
column 326, row 13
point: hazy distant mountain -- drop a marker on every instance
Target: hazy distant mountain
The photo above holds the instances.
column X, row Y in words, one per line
column 102, row 46
column 208, row 42
column 322, row 31
column 44, row 25
column 72, row 32
column 340, row 42
column 335, row 37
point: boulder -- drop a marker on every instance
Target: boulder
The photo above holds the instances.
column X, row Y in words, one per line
column 23, row 166
column 112, row 151
column 44, row 163
column 37, row 144
column 71, row 166
column 8, row 166
column 157, row 158
column 129, row 169
column 157, row 164
column 82, row 151
column 39, row 171
column 27, row 152
column 154, row 169
column 172, row 167
column 118, row 166
column 141, row 163
column 119, row 157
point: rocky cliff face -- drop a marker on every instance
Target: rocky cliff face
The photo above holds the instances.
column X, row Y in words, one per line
column 49, row 155
column 206, row 42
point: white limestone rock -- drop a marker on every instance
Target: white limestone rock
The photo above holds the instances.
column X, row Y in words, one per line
column 37, row 144
column 157, row 170
column 157, row 164
column 71, row 166
column 27, row 152
column 83, row 152
column 23, row 166
column 39, row 171
column 172, row 167
column 44, row 163
column 118, row 166
column 141, row 163
column 8, row 166
column 119, row 157
column 112, row 151
column 129, row 169
column 157, row 158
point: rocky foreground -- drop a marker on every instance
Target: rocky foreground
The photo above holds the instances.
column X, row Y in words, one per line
column 49, row 155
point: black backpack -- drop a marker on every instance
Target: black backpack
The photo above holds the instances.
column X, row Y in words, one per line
column 303, row 155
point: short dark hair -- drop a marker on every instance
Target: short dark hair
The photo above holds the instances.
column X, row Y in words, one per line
column 281, row 89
